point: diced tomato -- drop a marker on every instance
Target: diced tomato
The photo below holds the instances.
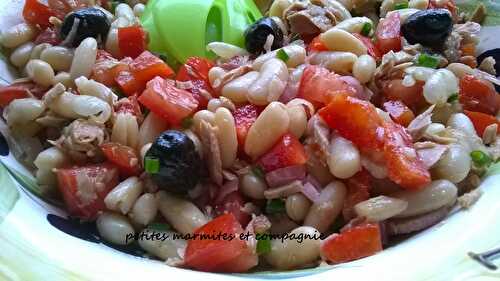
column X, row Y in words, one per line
column 478, row 95
column 106, row 68
column 233, row 203
column 316, row 46
column 412, row 96
column 244, row 117
column 399, row 112
column 356, row 120
column 317, row 84
column 167, row 101
column 357, row 242
column 124, row 157
column 50, row 36
column 468, row 49
column 481, row 121
column 403, row 165
column 128, row 84
column 147, row 66
column 34, row 12
column 288, row 151
column 12, row 92
column 220, row 255
column 196, row 70
column 84, row 188
column 388, row 33
column 129, row 105
column 358, row 190
column 372, row 49
column 131, row 41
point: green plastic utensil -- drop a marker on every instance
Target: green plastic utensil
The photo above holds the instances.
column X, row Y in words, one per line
column 180, row 29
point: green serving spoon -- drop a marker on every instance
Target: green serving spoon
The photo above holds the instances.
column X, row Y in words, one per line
column 180, row 29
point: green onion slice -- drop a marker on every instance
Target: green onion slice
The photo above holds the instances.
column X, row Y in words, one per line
column 264, row 245
column 275, row 206
column 152, row 165
column 480, row 158
column 427, row 61
column 367, row 29
column 282, row 55
column 400, row 6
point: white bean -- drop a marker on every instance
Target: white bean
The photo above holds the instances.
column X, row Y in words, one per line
column 271, row 124
column 139, row 9
column 111, row 45
column 270, row 84
column 253, row 186
column 440, row 86
column 63, row 78
column 168, row 248
column 324, row 211
column 298, row 120
column 434, row 129
column 437, row 194
column 214, row 74
column 278, row 7
column 454, row 165
column 22, row 54
column 336, row 39
column 296, row 56
column 151, row 128
column 215, row 103
column 17, row 35
column 40, row 72
column 203, row 115
column 354, row 25
column 23, row 111
column 460, row 69
column 51, row 158
column 196, row 140
column 38, row 49
column 60, row 58
column 420, row 73
column 92, row 88
column 461, row 122
column 144, row 210
column 183, row 215
column 304, row 103
column 226, row 135
column 115, row 228
column 79, row 106
column 84, row 58
column 125, row 130
column 123, row 196
column 289, row 253
column 237, row 90
column 125, row 11
column 343, row 158
column 364, row 68
column 380, row 208
column 297, row 206
column 225, row 50
column 418, row 4
column 340, row 62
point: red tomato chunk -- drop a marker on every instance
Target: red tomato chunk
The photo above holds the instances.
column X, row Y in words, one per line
column 288, row 151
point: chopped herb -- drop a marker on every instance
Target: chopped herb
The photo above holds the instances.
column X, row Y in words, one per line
column 275, row 206
column 264, row 245
column 159, row 226
column 282, row 55
column 257, row 170
column 367, row 29
column 187, row 122
column 427, row 61
column 152, row 165
column 453, row 98
column 480, row 158
column 400, row 6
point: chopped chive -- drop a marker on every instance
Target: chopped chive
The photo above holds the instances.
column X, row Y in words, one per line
column 282, row 55
column 453, row 98
column 275, row 206
column 264, row 245
column 159, row 226
column 152, row 165
column 427, row 61
column 187, row 122
column 257, row 171
column 480, row 158
column 400, row 6
column 367, row 29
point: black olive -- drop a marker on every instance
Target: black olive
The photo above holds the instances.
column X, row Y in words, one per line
column 428, row 27
column 180, row 164
column 92, row 23
column 257, row 33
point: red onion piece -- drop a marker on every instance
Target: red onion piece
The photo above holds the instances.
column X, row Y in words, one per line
column 312, row 180
column 291, row 91
column 226, row 189
column 416, row 223
column 285, row 175
column 360, row 91
column 310, row 192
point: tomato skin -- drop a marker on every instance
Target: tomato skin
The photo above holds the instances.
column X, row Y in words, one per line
column 357, row 242
column 35, row 12
column 399, row 112
column 147, row 66
column 89, row 207
column 124, row 157
column 196, row 70
column 244, row 117
column 316, row 46
column 412, row 97
column 288, row 151
column 233, row 203
column 318, row 84
column 131, row 41
column 358, row 190
column 49, row 35
column 388, row 33
column 478, row 95
column 481, row 121
column 219, row 255
column 12, row 92
column 167, row 101
column 372, row 48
